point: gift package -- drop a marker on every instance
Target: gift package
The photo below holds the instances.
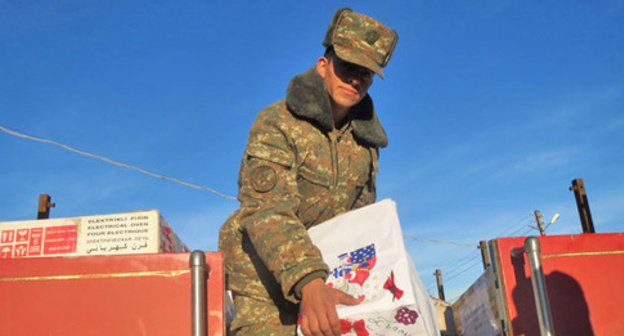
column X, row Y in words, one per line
column 366, row 255
column 120, row 233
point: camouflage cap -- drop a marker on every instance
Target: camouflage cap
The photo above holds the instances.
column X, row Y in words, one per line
column 361, row 40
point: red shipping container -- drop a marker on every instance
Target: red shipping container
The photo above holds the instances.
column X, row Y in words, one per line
column 142, row 294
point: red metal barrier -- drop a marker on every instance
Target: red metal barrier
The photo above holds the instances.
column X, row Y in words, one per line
column 584, row 277
column 148, row 294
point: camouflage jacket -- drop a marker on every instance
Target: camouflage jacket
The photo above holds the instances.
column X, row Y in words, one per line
column 297, row 171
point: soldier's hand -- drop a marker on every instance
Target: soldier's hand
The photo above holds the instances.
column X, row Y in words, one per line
column 318, row 308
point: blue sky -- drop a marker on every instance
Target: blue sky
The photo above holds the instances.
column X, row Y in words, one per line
column 492, row 108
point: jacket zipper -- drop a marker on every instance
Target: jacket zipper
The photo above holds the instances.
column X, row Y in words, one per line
column 334, row 158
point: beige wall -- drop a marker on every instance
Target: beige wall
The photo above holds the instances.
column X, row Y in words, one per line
column 444, row 310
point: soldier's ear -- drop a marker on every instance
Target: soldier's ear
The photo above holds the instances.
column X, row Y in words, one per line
column 322, row 65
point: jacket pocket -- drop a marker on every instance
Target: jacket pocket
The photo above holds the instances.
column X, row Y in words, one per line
column 314, row 194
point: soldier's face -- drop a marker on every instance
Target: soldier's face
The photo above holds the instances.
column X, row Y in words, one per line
column 346, row 82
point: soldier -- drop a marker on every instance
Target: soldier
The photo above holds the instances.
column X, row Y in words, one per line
column 308, row 158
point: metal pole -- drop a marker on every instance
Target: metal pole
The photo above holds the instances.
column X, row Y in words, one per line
column 198, row 293
column 485, row 257
column 438, row 274
column 540, row 222
column 43, row 211
column 532, row 249
column 583, row 205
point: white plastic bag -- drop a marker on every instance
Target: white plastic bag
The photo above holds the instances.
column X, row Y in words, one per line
column 367, row 259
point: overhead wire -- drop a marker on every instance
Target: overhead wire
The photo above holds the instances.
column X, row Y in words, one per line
column 522, row 220
column 467, row 268
column 522, row 228
column 527, row 231
column 431, row 287
column 469, row 259
column 191, row 185
column 438, row 241
column 117, row 163
column 472, row 259
column 460, row 263
column 432, row 283
column 452, row 269
column 471, row 255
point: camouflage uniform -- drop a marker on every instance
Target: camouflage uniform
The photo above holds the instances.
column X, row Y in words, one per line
column 297, row 171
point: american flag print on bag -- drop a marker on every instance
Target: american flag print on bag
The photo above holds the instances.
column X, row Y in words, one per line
column 353, row 271
column 367, row 259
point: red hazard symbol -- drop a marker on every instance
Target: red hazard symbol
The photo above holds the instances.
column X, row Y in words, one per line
column 22, row 235
column 20, row 250
column 36, row 238
column 6, row 252
column 8, row 236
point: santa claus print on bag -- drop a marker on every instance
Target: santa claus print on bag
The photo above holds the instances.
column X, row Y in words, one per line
column 353, row 271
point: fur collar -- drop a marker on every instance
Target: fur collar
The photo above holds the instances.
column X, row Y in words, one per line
column 307, row 98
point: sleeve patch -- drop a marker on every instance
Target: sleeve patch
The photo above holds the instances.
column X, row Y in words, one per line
column 263, row 179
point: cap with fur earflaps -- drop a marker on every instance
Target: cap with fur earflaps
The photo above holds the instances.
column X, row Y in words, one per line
column 361, row 40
